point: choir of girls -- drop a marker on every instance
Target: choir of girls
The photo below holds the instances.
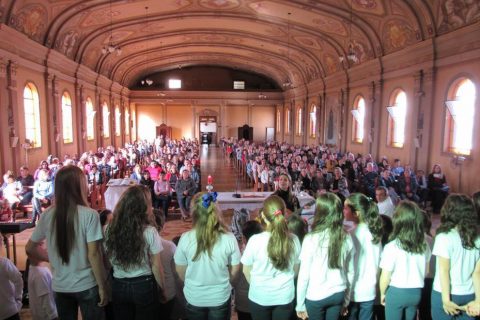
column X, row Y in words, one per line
column 340, row 269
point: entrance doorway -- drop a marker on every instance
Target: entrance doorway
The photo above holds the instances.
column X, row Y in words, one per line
column 208, row 130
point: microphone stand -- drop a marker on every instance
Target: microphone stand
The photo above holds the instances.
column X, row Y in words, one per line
column 236, row 194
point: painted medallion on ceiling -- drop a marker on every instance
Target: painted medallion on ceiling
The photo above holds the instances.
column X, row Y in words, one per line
column 219, row 4
column 67, row 43
column 454, row 14
column 375, row 7
column 397, row 34
column 32, row 21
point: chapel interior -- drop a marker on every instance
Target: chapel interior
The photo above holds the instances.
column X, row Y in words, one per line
column 389, row 78
column 399, row 79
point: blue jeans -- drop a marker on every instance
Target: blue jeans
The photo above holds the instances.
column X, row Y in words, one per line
column 361, row 310
column 401, row 303
column 135, row 298
column 278, row 312
column 221, row 312
column 328, row 308
column 437, row 306
column 68, row 303
column 184, row 203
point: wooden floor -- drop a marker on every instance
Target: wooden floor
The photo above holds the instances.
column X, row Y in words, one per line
column 212, row 163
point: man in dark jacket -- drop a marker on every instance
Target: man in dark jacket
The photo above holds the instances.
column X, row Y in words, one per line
column 185, row 189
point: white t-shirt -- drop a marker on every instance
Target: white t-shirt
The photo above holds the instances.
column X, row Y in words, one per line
column 153, row 245
column 386, row 207
column 41, row 301
column 11, row 289
column 316, row 281
column 408, row 269
column 207, row 280
column 268, row 285
column 367, row 260
column 462, row 262
column 169, row 268
column 76, row 276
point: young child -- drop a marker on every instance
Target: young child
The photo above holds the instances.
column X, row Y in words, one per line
column 326, row 269
column 6, row 212
column 404, row 263
column 457, row 253
column 367, row 236
column 270, row 263
column 42, row 302
column 11, row 287
column 241, row 286
column 298, row 226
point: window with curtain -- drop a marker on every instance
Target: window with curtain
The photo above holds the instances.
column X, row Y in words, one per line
column 313, row 121
column 127, row 121
column 358, row 119
column 106, row 120
column 31, row 105
column 278, row 121
column 460, row 115
column 67, row 119
column 287, row 120
column 117, row 121
column 90, row 114
column 396, row 123
column 299, row 120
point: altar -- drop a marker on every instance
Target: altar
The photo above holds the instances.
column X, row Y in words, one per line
column 252, row 200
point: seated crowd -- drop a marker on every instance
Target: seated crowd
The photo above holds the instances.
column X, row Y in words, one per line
column 281, row 268
column 317, row 169
column 158, row 165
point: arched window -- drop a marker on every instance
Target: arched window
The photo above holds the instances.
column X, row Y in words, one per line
column 460, row 117
column 287, row 120
column 90, row 114
column 127, row 121
column 118, row 125
column 106, row 120
column 313, row 121
column 299, row 120
column 396, row 122
column 358, row 115
column 31, row 105
column 67, row 120
column 278, row 121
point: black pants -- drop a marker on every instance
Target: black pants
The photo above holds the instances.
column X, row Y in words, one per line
column 279, row 312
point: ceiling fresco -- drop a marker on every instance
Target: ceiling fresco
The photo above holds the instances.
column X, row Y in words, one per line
column 300, row 40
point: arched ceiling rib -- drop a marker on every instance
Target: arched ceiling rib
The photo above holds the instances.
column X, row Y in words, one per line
column 255, row 35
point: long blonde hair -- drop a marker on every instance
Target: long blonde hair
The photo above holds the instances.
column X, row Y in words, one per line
column 207, row 223
column 280, row 245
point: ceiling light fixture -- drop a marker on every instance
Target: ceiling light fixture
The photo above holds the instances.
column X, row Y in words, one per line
column 146, row 81
column 111, row 47
column 351, row 54
column 287, row 83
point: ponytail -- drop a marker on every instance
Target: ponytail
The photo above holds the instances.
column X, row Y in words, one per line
column 280, row 245
column 329, row 218
column 368, row 212
column 207, row 223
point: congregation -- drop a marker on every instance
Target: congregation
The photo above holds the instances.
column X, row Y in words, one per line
column 280, row 269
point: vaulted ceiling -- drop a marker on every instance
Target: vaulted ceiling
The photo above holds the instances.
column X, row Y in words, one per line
column 299, row 40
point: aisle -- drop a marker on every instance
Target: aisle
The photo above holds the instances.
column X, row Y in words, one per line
column 213, row 162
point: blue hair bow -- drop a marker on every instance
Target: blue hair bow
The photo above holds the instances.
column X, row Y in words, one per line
column 208, row 198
